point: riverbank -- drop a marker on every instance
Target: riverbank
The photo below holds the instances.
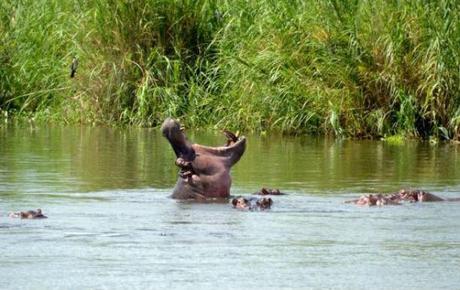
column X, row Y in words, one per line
column 344, row 68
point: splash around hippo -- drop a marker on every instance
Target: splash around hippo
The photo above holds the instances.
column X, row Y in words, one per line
column 204, row 171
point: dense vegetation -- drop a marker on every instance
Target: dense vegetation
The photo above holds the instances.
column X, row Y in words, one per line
column 346, row 67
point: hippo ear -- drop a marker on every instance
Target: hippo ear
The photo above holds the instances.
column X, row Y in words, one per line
column 234, row 202
column 231, row 138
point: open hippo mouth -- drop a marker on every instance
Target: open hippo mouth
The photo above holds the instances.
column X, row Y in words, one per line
column 204, row 170
column 173, row 131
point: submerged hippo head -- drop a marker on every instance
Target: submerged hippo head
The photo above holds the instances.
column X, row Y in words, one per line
column 204, row 171
column 30, row 214
column 240, row 202
column 264, row 203
column 374, row 200
column 404, row 195
column 269, row 191
column 408, row 195
column 369, row 200
column 252, row 203
column 418, row 196
column 423, row 196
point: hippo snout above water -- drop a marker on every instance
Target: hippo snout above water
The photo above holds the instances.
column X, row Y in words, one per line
column 30, row 214
column 396, row 198
column 252, row 203
column 373, row 200
column 269, row 191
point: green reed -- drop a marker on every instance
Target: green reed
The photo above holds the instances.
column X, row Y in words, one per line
column 348, row 68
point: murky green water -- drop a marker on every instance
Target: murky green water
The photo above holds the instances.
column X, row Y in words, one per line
column 111, row 224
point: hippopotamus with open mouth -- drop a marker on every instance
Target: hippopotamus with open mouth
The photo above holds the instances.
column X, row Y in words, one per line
column 204, row 171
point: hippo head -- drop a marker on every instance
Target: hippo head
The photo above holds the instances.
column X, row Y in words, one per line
column 369, row 200
column 30, row 214
column 408, row 195
column 173, row 131
column 269, row 191
column 423, row 196
column 264, row 203
column 252, row 203
column 240, row 202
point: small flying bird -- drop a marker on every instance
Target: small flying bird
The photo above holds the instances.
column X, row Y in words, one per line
column 73, row 67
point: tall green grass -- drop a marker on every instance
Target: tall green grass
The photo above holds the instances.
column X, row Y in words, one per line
column 353, row 68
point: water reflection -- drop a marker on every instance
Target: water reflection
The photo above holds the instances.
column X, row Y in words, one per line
column 90, row 159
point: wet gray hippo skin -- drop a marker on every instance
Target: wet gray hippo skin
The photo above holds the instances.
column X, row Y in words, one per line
column 205, row 171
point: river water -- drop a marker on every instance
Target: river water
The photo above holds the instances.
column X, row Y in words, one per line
column 111, row 224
